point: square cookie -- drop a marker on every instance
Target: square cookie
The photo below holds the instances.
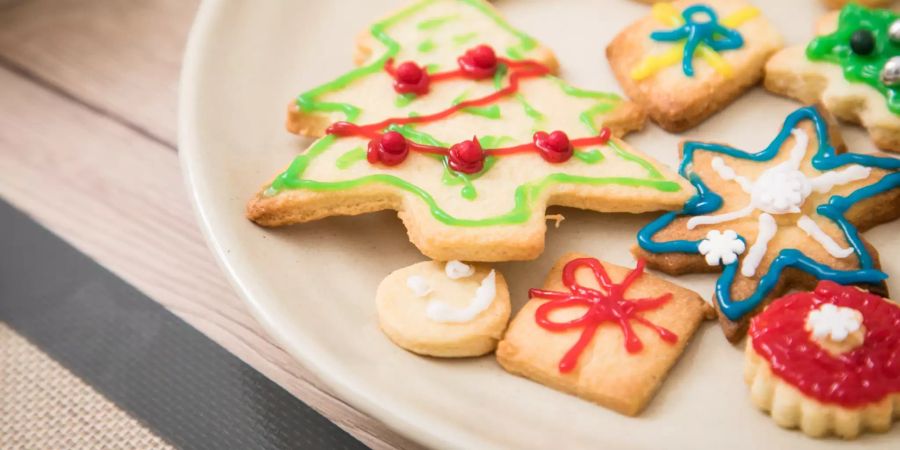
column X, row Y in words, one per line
column 681, row 81
column 565, row 337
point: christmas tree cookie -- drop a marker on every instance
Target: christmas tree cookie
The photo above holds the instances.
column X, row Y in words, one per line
column 602, row 332
column 777, row 219
column 852, row 67
column 687, row 60
column 827, row 361
column 455, row 121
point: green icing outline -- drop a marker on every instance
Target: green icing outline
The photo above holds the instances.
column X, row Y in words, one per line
column 350, row 157
column 835, row 48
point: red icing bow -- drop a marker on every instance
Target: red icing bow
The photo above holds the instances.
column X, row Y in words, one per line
column 479, row 62
column 466, row 156
column 606, row 305
column 390, row 149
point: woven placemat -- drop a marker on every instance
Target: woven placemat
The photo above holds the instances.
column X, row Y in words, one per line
column 44, row 406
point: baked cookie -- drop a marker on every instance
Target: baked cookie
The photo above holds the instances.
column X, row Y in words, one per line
column 689, row 59
column 602, row 332
column 827, row 361
column 456, row 123
column 777, row 219
column 444, row 309
column 852, row 67
column 834, row 4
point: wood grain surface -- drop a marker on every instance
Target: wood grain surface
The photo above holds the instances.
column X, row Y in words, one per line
column 87, row 147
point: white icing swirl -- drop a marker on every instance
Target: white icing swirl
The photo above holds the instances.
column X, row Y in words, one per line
column 419, row 285
column 439, row 311
column 457, row 269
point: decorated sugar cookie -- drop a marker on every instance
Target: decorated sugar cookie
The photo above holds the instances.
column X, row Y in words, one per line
column 776, row 219
column 869, row 3
column 602, row 332
column 827, row 361
column 455, row 121
column 689, row 59
column 852, row 67
column 448, row 309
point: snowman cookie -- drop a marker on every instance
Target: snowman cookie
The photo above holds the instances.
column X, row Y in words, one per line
column 827, row 361
column 441, row 309
column 852, row 67
column 602, row 332
column 777, row 219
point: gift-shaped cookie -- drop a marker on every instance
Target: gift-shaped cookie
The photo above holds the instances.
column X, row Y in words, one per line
column 689, row 59
column 602, row 332
column 777, row 219
column 852, row 67
column 455, row 121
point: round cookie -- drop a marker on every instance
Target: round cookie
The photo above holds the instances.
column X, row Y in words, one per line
column 827, row 361
column 446, row 310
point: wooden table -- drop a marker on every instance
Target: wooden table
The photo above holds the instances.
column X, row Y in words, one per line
column 87, row 147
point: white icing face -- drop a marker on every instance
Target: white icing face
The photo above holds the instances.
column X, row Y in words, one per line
column 439, row 311
column 780, row 190
column 721, row 247
column 456, row 270
column 833, row 322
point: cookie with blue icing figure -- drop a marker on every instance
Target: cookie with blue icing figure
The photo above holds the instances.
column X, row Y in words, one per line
column 687, row 60
column 852, row 67
column 776, row 219
column 448, row 310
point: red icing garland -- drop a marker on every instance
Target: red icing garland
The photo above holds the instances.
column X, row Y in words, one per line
column 602, row 307
column 861, row 376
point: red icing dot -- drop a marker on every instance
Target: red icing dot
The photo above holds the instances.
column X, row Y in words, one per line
column 466, row 156
column 479, row 62
column 410, row 78
column 390, row 149
column 554, row 147
column 858, row 377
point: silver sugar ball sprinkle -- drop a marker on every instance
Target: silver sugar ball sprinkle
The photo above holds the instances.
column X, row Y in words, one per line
column 890, row 74
column 894, row 32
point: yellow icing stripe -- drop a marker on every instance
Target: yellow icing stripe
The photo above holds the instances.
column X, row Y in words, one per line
column 740, row 17
column 667, row 14
column 715, row 60
column 654, row 63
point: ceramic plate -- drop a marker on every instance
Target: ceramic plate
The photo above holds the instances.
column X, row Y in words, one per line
column 312, row 286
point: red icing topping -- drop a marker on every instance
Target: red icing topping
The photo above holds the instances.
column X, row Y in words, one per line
column 390, row 149
column 482, row 56
column 466, row 157
column 410, row 78
column 554, row 147
column 479, row 62
column 858, row 377
column 606, row 305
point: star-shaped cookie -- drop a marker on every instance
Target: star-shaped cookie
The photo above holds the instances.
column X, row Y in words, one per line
column 455, row 121
column 776, row 219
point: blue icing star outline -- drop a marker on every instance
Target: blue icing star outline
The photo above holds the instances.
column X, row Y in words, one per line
column 711, row 32
column 707, row 201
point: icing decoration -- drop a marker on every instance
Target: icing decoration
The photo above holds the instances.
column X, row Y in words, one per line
column 479, row 62
column 389, row 149
column 419, row 285
column 409, row 78
column 704, row 37
column 507, row 75
column 837, row 48
column 607, row 305
column 861, row 376
column 721, row 247
column 838, row 169
column 439, row 311
column 554, row 147
column 833, row 322
column 456, row 270
column 466, row 156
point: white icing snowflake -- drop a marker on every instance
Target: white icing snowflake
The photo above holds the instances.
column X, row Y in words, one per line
column 836, row 322
column 781, row 189
column 721, row 248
